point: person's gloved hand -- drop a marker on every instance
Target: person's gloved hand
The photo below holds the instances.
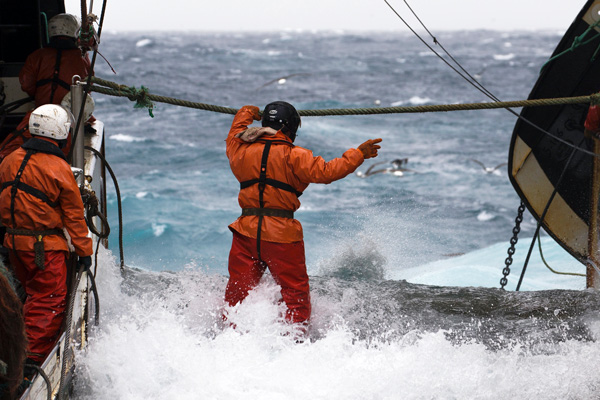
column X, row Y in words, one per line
column 369, row 148
column 86, row 261
column 255, row 112
column 592, row 121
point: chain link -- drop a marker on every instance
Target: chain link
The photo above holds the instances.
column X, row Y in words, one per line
column 513, row 242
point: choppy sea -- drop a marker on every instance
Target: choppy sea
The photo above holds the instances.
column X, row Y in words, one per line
column 405, row 270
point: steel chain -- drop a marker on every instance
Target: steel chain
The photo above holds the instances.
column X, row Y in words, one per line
column 513, row 243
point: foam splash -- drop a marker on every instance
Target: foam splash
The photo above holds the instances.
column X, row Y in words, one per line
column 504, row 57
column 158, row 229
column 161, row 336
column 143, row 43
column 126, row 138
column 415, row 101
column 485, row 216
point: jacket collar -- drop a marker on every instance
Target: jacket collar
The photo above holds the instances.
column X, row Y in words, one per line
column 278, row 137
column 44, row 146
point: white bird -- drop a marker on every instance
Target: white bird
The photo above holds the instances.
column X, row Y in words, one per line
column 281, row 80
column 489, row 170
column 396, row 169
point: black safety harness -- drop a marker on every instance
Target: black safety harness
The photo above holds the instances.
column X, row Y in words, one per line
column 32, row 146
column 55, row 80
column 262, row 181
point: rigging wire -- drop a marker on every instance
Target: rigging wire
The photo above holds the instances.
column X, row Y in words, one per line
column 473, row 82
column 539, row 240
column 88, row 85
column 471, row 79
column 543, row 216
column 118, row 191
column 482, row 89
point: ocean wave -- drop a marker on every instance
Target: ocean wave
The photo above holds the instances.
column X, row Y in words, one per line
column 415, row 101
column 143, row 43
column 126, row 138
column 504, row 57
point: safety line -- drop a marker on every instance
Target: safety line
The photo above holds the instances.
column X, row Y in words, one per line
column 142, row 97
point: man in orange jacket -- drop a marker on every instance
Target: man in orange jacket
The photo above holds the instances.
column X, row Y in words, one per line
column 21, row 134
column 273, row 173
column 39, row 199
column 48, row 72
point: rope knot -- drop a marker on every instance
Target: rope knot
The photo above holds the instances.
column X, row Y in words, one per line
column 141, row 99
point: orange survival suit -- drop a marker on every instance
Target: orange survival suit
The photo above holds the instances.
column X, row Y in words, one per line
column 48, row 72
column 39, row 198
column 21, row 134
column 274, row 238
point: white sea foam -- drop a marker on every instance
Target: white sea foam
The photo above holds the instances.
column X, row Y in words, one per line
column 171, row 346
column 415, row 101
column 485, row 216
column 504, row 57
column 143, row 43
column 126, row 138
column 158, row 229
column 161, row 335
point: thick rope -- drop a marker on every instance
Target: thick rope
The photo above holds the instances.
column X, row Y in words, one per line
column 144, row 99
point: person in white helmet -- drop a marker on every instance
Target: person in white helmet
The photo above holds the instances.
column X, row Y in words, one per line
column 21, row 134
column 47, row 73
column 39, row 201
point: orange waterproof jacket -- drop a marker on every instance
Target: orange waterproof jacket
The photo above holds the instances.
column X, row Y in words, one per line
column 21, row 134
column 48, row 172
column 38, row 70
column 286, row 163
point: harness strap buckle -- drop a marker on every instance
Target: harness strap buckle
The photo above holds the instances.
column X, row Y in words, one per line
column 38, row 245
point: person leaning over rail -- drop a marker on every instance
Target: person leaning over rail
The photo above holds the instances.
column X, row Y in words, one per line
column 21, row 134
column 39, row 199
column 48, row 72
column 273, row 173
column 47, row 75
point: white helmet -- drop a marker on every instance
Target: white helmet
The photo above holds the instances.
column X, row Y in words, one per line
column 50, row 121
column 64, row 25
column 88, row 108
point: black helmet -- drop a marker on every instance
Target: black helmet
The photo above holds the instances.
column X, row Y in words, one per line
column 282, row 116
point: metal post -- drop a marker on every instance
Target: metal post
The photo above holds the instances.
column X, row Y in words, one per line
column 592, row 275
column 77, row 103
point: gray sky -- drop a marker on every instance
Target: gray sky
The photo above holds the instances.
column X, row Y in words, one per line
column 346, row 15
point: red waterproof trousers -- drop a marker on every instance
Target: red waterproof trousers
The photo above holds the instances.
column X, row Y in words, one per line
column 287, row 265
column 46, row 290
